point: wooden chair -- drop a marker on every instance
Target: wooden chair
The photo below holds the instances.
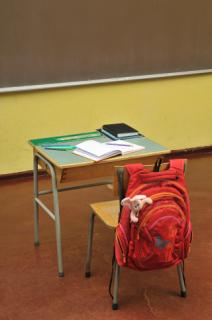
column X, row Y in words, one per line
column 109, row 214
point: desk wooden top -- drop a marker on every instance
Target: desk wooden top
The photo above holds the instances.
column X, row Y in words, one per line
column 67, row 159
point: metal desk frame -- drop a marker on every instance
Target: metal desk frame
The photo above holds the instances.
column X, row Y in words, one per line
column 54, row 215
column 103, row 172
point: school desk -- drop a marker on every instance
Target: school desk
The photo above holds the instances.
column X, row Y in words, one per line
column 79, row 172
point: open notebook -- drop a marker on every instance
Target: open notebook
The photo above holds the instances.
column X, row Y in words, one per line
column 97, row 151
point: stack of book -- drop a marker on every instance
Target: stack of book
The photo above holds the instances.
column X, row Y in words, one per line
column 119, row 131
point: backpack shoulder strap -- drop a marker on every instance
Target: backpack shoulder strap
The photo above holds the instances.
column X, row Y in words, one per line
column 178, row 164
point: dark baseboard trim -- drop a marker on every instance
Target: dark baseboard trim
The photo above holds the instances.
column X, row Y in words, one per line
column 21, row 175
column 184, row 153
column 191, row 152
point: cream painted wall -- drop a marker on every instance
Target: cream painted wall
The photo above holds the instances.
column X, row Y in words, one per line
column 175, row 112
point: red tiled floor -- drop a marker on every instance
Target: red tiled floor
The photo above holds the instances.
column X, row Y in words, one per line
column 30, row 288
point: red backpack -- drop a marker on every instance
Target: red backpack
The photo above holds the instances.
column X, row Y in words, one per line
column 154, row 229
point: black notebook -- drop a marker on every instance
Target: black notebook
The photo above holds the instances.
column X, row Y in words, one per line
column 119, row 130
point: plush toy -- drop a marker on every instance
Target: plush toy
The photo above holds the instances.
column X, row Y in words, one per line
column 135, row 204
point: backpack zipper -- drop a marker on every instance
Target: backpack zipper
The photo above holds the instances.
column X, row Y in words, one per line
column 122, row 229
column 150, row 212
column 159, row 195
column 121, row 249
column 163, row 218
column 143, row 186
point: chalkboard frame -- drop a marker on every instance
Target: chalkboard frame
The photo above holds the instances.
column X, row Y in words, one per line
column 102, row 81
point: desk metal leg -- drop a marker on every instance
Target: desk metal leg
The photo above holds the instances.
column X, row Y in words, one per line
column 55, row 215
column 36, row 206
column 57, row 225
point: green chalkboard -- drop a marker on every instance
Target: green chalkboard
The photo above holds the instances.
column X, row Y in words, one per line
column 50, row 42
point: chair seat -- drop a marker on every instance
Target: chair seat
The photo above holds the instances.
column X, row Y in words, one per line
column 107, row 211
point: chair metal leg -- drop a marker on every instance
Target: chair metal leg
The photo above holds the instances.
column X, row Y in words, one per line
column 89, row 248
column 116, row 286
column 183, row 291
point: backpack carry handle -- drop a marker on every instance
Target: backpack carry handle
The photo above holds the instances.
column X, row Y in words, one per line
column 160, row 176
column 176, row 169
